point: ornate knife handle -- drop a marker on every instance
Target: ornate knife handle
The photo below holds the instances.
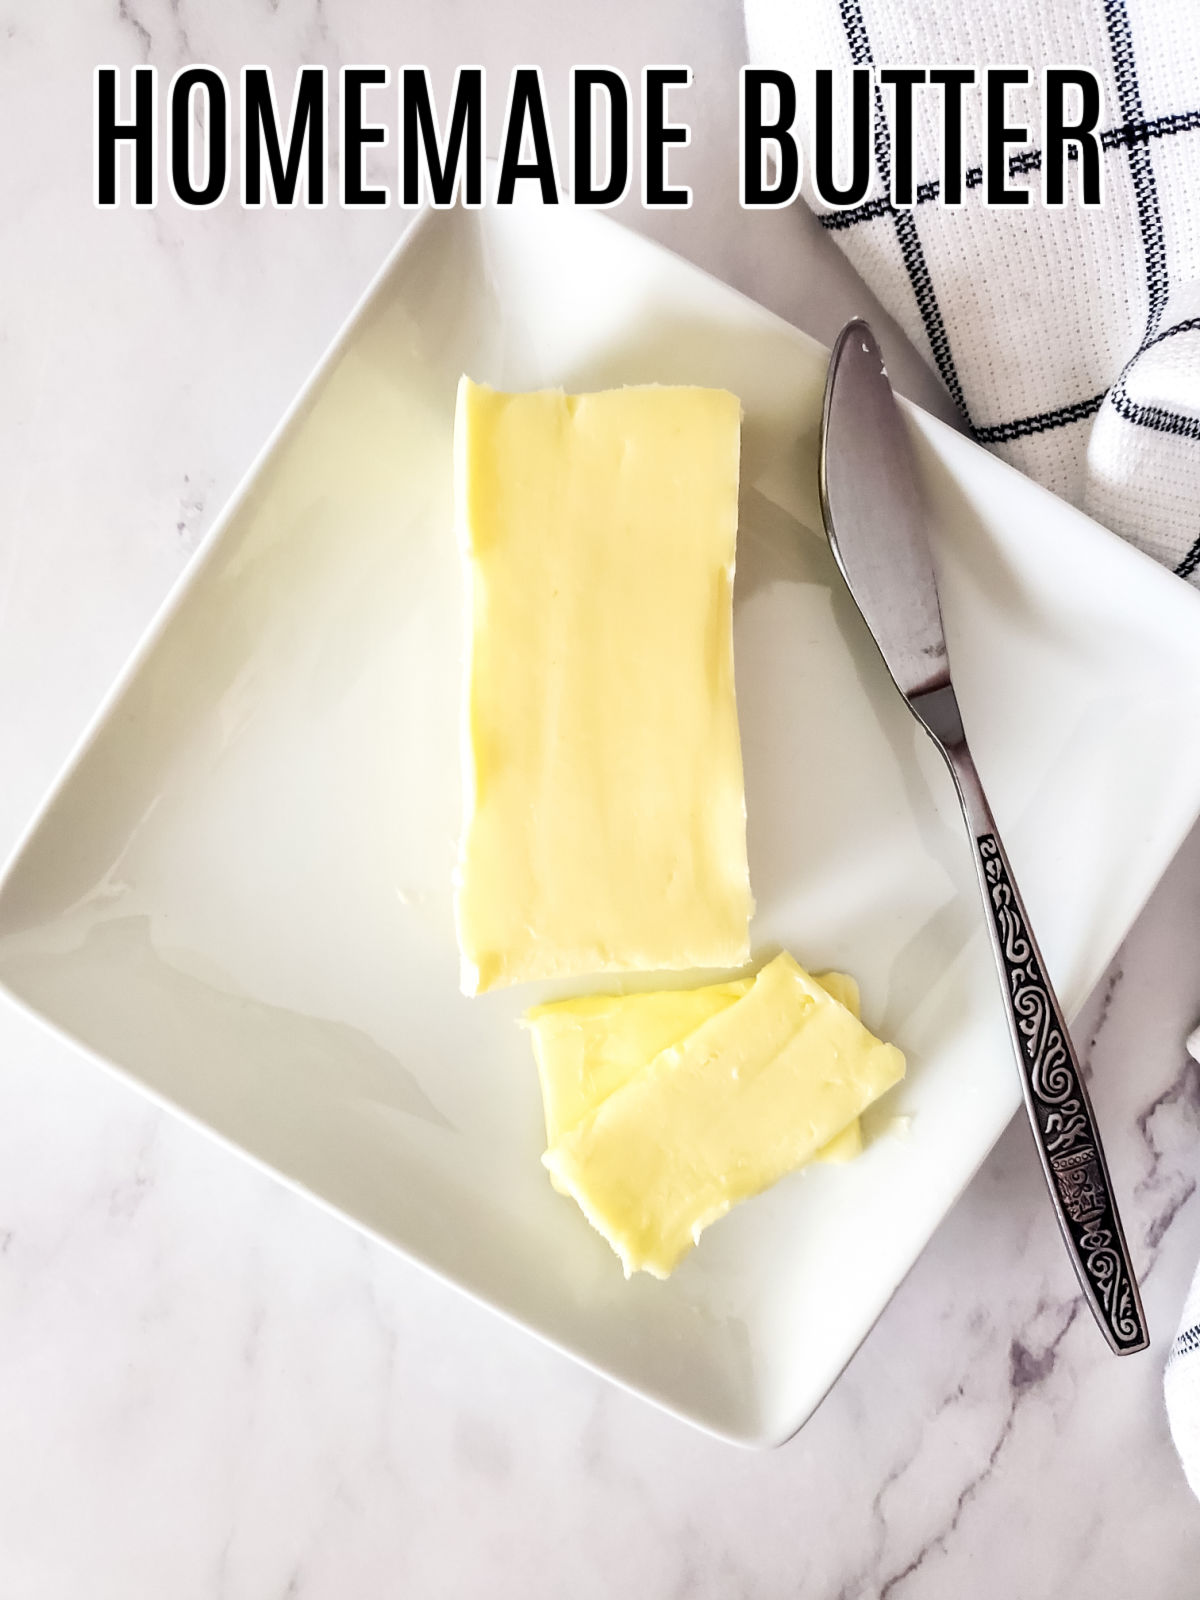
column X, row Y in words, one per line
column 1056, row 1097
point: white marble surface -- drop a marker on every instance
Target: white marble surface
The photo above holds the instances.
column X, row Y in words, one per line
column 210, row 1389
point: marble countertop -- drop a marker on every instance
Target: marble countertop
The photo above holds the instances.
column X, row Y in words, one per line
column 210, row 1389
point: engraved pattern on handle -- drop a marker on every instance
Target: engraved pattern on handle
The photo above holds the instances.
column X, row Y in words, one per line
column 1061, row 1111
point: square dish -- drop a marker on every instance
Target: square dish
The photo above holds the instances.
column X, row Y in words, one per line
column 239, row 893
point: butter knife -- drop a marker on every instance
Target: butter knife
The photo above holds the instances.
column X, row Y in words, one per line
column 875, row 517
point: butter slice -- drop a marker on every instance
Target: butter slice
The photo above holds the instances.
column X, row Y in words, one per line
column 846, row 1145
column 744, row 1099
column 588, row 1047
column 604, row 814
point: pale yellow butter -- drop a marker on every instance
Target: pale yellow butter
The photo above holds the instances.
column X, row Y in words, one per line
column 748, row 1096
column 604, row 814
column 846, row 1145
column 588, row 1047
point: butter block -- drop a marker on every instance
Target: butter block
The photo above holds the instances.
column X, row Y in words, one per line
column 744, row 1099
column 588, row 1047
column 604, row 815
column 849, row 1143
column 844, row 1147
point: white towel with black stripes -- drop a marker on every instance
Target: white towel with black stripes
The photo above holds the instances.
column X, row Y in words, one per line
column 1069, row 338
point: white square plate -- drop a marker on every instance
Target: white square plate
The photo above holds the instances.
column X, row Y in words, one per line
column 239, row 893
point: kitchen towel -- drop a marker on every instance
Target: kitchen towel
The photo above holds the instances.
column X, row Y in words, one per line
column 1068, row 337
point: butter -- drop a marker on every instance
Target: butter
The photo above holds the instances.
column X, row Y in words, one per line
column 604, row 815
column 588, row 1047
column 849, row 1143
column 752, row 1093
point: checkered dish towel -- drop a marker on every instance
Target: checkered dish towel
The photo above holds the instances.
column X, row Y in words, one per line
column 1069, row 338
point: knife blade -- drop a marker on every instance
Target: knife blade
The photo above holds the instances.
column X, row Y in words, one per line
column 876, row 518
column 889, row 571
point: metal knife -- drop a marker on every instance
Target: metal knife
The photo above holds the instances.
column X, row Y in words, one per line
column 875, row 517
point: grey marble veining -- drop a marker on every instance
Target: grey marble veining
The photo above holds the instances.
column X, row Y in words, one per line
column 210, row 1389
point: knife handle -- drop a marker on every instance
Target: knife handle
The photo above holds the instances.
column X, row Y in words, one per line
column 1056, row 1097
